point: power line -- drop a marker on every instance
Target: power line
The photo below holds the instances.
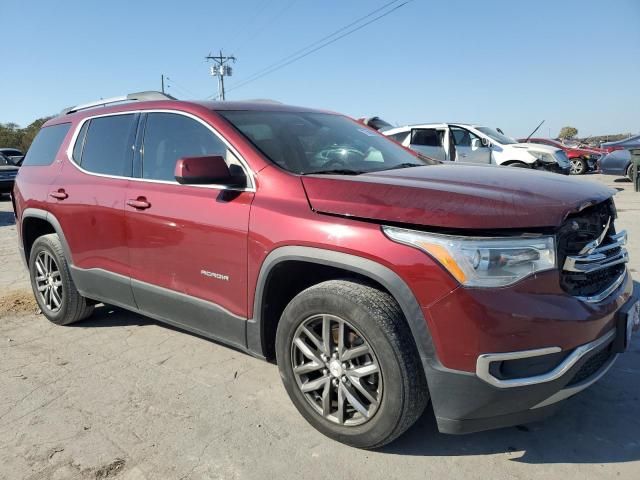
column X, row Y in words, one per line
column 256, row 32
column 298, row 54
column 171, row 83
column 249, row 23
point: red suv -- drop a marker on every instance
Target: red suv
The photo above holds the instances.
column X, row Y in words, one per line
column 376, row 281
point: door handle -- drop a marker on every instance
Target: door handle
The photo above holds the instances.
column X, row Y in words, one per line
column 139, row 203
column 60, row 194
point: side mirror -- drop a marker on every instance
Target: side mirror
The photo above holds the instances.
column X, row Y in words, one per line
column 485, row 142
column 207, row 170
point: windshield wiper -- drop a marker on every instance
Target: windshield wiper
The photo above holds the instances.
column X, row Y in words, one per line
column 335, row 171
column 402, row 165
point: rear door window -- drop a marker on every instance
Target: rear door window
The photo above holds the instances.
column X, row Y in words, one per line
column 45, row 146
column 429, row 141
column 108, row 145
column 428, row 137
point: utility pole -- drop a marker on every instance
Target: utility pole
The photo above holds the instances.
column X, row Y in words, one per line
column 162, row 80
column 221, row 70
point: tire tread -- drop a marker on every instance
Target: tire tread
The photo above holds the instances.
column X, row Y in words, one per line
column 77, row 307
column 389, row 317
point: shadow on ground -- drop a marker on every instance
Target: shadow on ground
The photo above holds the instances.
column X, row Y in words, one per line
column 108, row 316
column 598, row 426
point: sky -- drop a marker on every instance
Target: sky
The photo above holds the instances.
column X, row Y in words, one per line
column 507, row 64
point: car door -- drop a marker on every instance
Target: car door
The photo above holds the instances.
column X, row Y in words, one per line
column 429, row 141
column 87, row 199
column 187, row 243
column 469, row 147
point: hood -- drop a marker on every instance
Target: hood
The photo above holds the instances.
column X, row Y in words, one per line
column 455, row 196
column 537, row 147
column 587, row 151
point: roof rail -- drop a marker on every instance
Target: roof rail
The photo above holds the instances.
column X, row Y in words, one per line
column 139, row 96
column 263, row 100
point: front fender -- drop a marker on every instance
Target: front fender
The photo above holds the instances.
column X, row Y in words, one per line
column 362, row 266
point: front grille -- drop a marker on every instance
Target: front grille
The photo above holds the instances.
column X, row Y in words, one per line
column 591, row 366
column 591, row 252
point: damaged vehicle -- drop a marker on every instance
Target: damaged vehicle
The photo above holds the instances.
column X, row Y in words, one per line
column 465, row 143
column 583, row 159
column 377, row 281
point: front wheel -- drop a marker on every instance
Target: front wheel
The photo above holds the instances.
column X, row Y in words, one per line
column 578, row 166
column 349, row 363
column 630, row 172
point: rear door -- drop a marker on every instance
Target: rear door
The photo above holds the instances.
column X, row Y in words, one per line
column 88, row 197
column 469, row 146
column 187, row 244
column 429, row 141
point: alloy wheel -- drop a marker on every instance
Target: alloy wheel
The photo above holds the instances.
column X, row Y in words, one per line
column 336, row 369
column 577, row 167
column 48, row 281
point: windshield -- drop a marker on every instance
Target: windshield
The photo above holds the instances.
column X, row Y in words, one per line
column 496, row 136
column 320, row 143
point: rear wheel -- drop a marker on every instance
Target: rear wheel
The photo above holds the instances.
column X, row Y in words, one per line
column 349, row 363
column 578, row 166
column 52, row 284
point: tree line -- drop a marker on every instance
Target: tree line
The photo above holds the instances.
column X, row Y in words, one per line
column 571, row 133
column 12, row 136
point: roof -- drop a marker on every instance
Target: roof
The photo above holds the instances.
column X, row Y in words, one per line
column 118, row 106
column 255, row 105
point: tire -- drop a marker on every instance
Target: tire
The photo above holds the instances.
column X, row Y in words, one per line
column 630, row 172
column 60, row 301
column 397, row 384
column 518, row 164
column 578, row 166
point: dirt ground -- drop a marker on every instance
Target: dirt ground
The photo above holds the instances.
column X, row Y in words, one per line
column 121, row 396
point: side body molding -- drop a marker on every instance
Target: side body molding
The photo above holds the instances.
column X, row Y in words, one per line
column 365, row 267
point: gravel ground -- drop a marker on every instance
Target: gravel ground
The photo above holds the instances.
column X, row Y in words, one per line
column 120, row 396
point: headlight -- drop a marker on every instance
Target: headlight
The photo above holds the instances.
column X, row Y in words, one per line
column 482, row 262
column 543, row 156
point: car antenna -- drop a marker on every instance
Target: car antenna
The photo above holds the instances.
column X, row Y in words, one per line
column 531, row 134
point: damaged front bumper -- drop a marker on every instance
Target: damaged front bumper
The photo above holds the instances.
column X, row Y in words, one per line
column 553, row 167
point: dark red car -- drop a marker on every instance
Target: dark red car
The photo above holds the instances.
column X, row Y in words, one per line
column 376, row 281
column 583, row 160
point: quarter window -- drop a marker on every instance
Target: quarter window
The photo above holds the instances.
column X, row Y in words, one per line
column 45, row 146
column 77, row 148
column 108, row 145
column 169, row 137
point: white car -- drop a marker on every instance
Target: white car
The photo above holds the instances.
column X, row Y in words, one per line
column 461, row 142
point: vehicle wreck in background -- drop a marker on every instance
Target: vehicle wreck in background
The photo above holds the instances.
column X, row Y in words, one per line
column 465, row 143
